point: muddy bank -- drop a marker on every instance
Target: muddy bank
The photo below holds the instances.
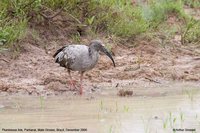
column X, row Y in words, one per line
column 34, row 71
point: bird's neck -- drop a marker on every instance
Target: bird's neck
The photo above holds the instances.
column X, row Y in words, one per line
column 92, row 52
column 93, row 56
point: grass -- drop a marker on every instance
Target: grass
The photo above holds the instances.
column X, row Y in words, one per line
column 191, row 32
column 190, row 94
column 165, row 123
column 120, row 18
column 111, row 129
column 192, row 3
column 101, row 105
column 17, row 105
column 116, row 106
column 76, row 38
column 182, row 118
column 41, row 102
column 158, row 11
column 146, row 125
column 126, row 108
column 171, row 120
column 11, row 32
column 13, row 22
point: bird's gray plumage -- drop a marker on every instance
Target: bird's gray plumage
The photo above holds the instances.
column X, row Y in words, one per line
column 80, row 57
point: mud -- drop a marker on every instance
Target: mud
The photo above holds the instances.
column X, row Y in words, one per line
column 34, row 71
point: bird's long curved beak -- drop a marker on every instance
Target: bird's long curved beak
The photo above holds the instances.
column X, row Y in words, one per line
column 104, row 50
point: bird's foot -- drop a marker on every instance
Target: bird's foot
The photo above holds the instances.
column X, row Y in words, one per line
column 81, row 90
column 72, row 84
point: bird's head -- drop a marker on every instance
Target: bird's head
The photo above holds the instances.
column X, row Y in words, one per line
column 99, row 46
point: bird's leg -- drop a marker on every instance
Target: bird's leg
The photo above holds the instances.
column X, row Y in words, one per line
column 81, row 80
column 71, row 82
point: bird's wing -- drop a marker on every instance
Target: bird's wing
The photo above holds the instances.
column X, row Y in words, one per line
column 58, row 51
column 67, row 56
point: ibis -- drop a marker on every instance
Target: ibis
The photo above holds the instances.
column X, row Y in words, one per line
column 82, row 58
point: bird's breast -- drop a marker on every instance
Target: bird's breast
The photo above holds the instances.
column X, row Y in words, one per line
column 90, row 62
column 85, row 62
column 94, row 59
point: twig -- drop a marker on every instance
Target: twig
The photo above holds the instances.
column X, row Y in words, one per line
column 152, row 80
column 74, row 18
column 197, row 58
column 4, row 60
column 52, row 16
column 189, row 51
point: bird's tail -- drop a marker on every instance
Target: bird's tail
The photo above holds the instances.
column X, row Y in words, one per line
column 58, row 51
column 59, row 54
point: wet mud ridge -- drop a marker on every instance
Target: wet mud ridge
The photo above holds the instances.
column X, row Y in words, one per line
column 34, row 71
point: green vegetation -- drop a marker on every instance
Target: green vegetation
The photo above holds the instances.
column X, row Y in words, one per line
column 192, row 3
column 122, row 18
column 191, row 32
column 158, row 11
column 165, row 123
column 126, row 108
column 146, row 125
column 101, row 105
column 190, row 94
column 41, row 102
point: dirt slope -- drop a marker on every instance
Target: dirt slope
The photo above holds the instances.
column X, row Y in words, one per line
column 34, row 71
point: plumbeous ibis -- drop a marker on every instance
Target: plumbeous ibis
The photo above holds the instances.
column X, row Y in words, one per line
column 80, row 58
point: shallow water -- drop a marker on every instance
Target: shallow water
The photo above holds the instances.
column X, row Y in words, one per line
column 103, row 114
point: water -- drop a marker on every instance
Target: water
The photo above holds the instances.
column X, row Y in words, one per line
column 102, row 114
